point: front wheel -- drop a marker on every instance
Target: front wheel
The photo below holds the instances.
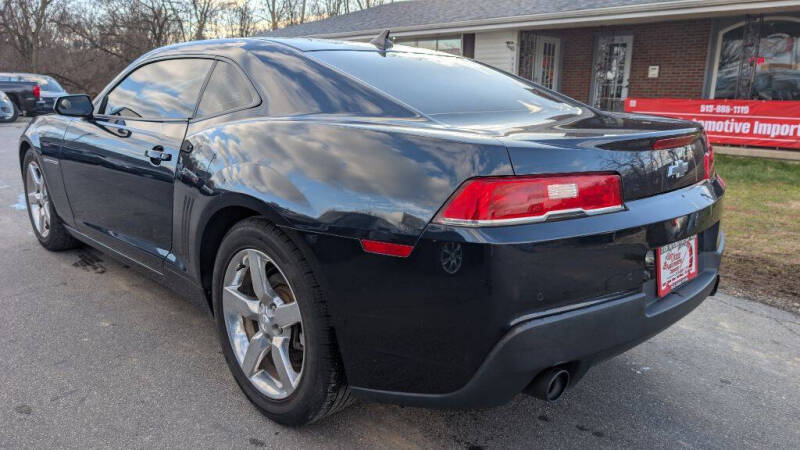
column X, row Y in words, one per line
column 14, row 114
column 273, row 325
column 47, row 226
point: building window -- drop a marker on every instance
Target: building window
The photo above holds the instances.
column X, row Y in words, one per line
column 450, row 44
column 759, row 59
column 539, row 58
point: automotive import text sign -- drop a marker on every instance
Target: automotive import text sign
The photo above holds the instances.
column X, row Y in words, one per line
column 740, row 122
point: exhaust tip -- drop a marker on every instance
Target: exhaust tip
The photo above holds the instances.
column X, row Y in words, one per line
column 549, row 385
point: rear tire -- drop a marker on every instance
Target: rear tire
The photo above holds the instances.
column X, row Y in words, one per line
column 314, row 385
column 47, row 225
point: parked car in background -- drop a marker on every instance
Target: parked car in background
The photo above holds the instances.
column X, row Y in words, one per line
column 23, row 94
column 396, row 224
column 8, row 110
column 49, row 89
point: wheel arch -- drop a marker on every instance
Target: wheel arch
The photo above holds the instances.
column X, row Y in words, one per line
column 24, row 146
column 216, row 220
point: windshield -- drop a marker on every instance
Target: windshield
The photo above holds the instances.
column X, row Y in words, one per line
column 445, row 85
column 45, row 82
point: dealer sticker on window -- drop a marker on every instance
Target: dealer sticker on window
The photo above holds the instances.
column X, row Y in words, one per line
column 677, row 264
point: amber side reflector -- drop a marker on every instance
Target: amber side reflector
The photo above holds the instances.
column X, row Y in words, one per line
column 386, row 248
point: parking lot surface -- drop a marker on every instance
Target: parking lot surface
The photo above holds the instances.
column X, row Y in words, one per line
column 92, row 354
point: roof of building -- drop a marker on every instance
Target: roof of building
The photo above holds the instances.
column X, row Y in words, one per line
column 422, row 14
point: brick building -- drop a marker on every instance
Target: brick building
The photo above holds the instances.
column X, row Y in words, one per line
column 602, row 52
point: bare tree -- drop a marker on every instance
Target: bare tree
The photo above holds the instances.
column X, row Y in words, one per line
column 83, row 43
column 364, row 4
column 155, row 19
column 240, row 20
column 101, row 38
column 25, row 24
column 204, row 12
column 196, row 18
column 276, row 11
column 295, row 11
column 330, row 8
column 124, row 28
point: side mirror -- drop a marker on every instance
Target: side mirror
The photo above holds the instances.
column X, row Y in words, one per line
column 74, row 106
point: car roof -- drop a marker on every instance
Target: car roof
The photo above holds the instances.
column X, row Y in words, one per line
column 299, row 44
column 313, row 44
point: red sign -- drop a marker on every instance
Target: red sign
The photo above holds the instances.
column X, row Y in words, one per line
column 740, row 122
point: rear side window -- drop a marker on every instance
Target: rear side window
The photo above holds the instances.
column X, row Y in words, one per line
column 294, row 85
column 161, row 90
column 227, row 89
column 438, row 84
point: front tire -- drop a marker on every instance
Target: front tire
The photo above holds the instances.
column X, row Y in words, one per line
column 14, row 114
column 47, row 226
column 273, row 326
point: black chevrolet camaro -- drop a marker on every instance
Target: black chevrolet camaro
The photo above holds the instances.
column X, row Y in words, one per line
column 386, row 223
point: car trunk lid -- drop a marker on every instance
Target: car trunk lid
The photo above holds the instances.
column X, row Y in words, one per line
column 644, row 171
column 593, row 141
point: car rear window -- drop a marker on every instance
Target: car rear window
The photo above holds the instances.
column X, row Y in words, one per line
column 296, row 86
column 47, row 83
column 439, row 84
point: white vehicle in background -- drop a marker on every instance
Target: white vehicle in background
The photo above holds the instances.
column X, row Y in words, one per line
column 8, row 111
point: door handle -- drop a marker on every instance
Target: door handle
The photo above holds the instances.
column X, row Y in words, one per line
column 157, row 154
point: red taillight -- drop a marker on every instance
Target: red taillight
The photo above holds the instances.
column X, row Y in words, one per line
column 37, row 91
column 508, row 200
column 709, row 161
column 674, row 142
column 386, row 248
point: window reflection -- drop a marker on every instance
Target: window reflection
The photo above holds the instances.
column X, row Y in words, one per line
column 451, row 44
column 160, row 90
column 429, row 44
column 437, row 85
column 227, row 89
column 298, row 85
column 776, row 63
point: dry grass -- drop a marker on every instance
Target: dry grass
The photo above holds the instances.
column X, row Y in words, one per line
column 762, row 230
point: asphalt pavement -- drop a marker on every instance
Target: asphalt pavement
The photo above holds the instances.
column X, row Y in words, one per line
column 92, row 354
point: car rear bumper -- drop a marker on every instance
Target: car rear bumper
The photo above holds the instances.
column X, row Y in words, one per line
column 423, row 330
column 576, row 339
column 44, row 105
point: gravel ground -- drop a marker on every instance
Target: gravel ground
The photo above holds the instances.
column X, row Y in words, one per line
column 94, row 355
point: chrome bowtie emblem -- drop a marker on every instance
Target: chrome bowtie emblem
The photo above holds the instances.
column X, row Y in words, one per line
column 677, row 169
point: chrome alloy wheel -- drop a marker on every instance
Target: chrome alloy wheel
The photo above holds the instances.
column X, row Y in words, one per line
column 264, row 324
column 38, row 200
